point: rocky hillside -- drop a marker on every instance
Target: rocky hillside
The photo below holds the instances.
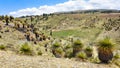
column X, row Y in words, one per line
column 59, row 40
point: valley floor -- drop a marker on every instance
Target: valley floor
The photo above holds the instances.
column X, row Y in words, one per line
column 11, row 60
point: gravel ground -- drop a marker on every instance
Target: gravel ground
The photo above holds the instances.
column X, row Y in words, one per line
column 11, row 60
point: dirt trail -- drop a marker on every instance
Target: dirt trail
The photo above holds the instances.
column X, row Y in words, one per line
column 11, row 60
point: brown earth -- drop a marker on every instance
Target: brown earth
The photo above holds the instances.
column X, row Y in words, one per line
column 9, row 59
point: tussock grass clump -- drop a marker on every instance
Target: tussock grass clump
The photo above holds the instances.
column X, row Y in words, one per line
column 77, row 46
column 68, row 51
column 94, row 59
column 2, row 47
column 81, row 55
column 117, row 56
column 88, row 51
column 89, row 48
column 68, row 46
column 39, row 52
column 116, row 59
column 57, row 50
column 56, row 45
column 26, row 49
column 105, row 50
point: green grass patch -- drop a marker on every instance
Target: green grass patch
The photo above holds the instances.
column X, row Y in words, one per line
column 90, row 33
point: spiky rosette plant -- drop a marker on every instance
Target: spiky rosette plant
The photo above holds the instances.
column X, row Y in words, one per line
column 77, row 47
column 105, row 50
column 89, row 51
column 68, row 51
column 56, row 45
column 25, row 49
column 57, row 50
column 81, row 55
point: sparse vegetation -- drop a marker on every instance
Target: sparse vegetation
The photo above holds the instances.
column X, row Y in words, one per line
column 69, row 35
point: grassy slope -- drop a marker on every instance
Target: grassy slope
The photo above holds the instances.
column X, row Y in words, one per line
column 64, row 25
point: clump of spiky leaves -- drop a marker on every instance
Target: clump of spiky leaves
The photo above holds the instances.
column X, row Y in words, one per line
column 68, row 46
column 57, row 50
column 2, row 47
column 88, row 51
column 116, row 60
column 77, row 46
column 56, row 45
column 39, row 52
column 26, row 49
column 68, row 51
column 81, row 55
column 94, row 59
column 105, row 50
column 117, row 56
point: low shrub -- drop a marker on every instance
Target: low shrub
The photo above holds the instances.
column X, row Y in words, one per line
column 58, row 52
column 26, row 49
column 81, row 55
column 88, row 51
column 117, row 56
column 2, row 47
column 69, row 53
column 77, row 47
column 39, row 52
column 56, row 45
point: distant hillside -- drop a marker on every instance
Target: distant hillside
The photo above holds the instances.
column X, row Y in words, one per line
column 88, row 25
column 91, row 11
column 77, row 22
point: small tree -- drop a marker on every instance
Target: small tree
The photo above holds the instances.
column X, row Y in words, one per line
column 32, row 19
column 105, row 50
column 6, row 19
column 11, row 18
